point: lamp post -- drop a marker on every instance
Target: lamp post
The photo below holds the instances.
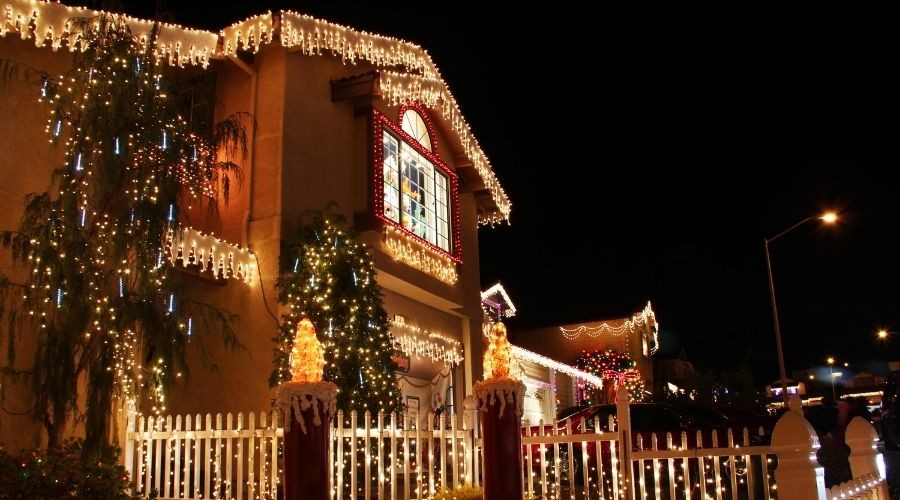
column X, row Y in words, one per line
column 828, row 218
column 831, row 369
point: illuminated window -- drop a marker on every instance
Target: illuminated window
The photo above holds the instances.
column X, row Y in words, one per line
column 416, row 191
column 414, row 125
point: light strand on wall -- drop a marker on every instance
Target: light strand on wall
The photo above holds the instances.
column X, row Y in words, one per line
column 190, row 247
column 248, row 34
column 422, row 343
column 526, row 355
column 645, row 318
column 409, row 251
column 53, row 25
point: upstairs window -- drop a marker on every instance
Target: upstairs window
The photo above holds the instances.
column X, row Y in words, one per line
column 416, row 191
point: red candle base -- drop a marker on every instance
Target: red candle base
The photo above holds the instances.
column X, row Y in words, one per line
column 500, row 403
column 307, row 409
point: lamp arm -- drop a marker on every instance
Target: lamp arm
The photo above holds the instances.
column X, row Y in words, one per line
column 795, row 226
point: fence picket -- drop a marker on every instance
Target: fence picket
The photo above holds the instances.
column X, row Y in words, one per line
column 732, row 461
column 246, row 451
column 393, row 455
column 598, row 446
column 454, row 460
column 207, row 465
column 176, row 466
column 339, row 461
column 571, row 459
column 147, row 465
column 406, row 433
column 367, row 474
column 543, row 462
column 419, row 455
column 529, row 483
column 380, row 454
column 187, row 491
column 353, row 427
column 717, row 472
column 442, row 459
column 642, row 480
column 157, row 457
column 670, row 466
column 584, row 461
column 686, row 467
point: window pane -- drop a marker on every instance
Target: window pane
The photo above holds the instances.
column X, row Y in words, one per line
column 415, row 193
column 390, row 175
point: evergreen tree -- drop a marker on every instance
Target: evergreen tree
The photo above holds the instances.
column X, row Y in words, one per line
column 99, row 289
column 329, row 277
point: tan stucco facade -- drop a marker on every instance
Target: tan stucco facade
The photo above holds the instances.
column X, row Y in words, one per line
column 308, row 148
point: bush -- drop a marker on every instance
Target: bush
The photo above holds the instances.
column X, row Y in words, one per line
column 464, row 492
column 63, row 473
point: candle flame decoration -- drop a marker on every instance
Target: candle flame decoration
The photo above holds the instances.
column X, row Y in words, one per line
column 499, row 358
column 307, row 355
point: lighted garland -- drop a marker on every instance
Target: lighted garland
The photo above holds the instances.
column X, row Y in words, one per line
column 329, row 278
column 102, row 296
column 615, row 367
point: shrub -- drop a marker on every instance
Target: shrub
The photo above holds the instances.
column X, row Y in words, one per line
column 63, row 473
column 463, row 492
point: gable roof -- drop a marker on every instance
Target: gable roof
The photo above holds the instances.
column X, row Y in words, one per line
column 406, row 71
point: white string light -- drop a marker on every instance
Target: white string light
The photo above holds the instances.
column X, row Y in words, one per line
column 422, row 343
column 510, row 308
column 224, row 260
column 646, row 318
column 409, row 251
column 525, row 354
column 53, row 25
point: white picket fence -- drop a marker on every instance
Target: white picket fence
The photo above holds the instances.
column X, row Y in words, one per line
column 202, row 458
column 400, row 456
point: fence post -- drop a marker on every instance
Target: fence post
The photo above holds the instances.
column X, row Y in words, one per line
column 798, row 476
column 306, row 409
column 861, row 437
column 501, row 400
column 623, row 415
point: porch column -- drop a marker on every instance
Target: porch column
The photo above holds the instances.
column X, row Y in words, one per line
column 306, row 409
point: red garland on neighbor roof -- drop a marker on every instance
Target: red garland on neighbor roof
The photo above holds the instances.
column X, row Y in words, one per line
column 380, row 122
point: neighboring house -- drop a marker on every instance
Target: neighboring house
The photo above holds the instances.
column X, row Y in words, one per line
column 672, row 375
column 340, row 115
column 550, row 384
column 636, row 336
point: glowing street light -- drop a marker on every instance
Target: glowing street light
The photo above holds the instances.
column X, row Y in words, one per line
column 882, row 334
column 833, row 375
column 827, row 218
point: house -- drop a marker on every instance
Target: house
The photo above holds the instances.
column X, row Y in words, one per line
column 634, row 337
column 550, row 384
column 340, row 115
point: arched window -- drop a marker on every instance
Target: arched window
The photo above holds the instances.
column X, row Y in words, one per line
column 416, row 191
column 414, row 125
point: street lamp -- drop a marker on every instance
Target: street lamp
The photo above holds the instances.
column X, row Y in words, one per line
column 882, row 334
column 827, row 218
column 833, row 375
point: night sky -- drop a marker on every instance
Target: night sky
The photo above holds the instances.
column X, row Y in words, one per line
column 648, row 154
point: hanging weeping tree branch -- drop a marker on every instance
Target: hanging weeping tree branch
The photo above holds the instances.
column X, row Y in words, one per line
column 99, row 291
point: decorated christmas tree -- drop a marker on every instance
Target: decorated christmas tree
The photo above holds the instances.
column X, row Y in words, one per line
column 99, row 292
column 614, row 369
column 329, row 278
